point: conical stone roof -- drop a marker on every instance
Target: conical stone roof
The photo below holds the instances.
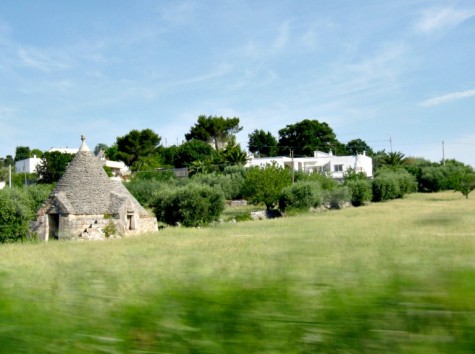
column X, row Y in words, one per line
column 85, row 188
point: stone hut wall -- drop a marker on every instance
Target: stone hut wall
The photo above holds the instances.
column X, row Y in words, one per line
column 84, row 227
column 91, row 227
column 147, row 224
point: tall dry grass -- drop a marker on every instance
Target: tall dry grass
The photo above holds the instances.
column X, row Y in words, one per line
column 392, row 277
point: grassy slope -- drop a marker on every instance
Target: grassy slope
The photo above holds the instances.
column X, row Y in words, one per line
column 392, row 277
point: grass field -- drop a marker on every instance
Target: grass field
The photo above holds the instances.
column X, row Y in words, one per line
column 395, row 277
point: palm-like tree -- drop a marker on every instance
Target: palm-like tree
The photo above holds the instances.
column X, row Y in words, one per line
column 198, row 166
column 236, row 157
column 394, row 159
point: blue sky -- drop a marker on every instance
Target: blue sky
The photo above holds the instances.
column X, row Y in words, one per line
column 376, row 70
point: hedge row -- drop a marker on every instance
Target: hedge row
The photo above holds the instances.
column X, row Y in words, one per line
column 314, row 190
column 200, row 200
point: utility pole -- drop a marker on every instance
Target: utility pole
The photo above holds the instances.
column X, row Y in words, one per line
column 293, row 167
column 443, row 153
column 390, row 142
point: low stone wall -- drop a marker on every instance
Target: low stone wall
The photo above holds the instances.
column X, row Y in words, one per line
column 236, row 203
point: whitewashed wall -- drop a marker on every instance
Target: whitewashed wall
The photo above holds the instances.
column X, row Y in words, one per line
column 27, row 165
column 320, row 162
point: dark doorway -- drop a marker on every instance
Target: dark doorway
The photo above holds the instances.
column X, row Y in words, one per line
column 53, row 226
column 130, row 221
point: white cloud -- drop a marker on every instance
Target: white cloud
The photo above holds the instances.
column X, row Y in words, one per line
column 381, row 64
column 260, row 50
column 221, row 70
column 283, row 36
column 448, row 98
column 40, row 59
column 439, row 19
column 372, row 74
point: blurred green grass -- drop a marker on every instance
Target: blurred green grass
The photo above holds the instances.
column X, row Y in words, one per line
column 396, row 277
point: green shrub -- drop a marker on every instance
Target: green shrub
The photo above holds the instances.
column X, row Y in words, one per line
column 144, row 189
column 385, row 187
column 301, row 195
column 352, row 175
column 15, row 215
column 407, row 182
column 235, row 170
column 230, row 184
column 18, row 208
column 110, row 229
column 190, row 205
column 433, row 179
column 415, row 166
column 162, row 175
column 337, row 197
column 390, row 184
column 23, row 179
column 38, row 194
column 360, row 191
column 243, row 216
column 237, row 174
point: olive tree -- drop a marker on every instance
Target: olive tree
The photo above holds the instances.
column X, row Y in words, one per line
column 265, row 184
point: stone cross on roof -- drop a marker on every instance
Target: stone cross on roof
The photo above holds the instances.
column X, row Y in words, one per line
column 83, row 146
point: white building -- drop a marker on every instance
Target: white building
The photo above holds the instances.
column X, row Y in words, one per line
column 27, row 165
column 118, row 168
column 321, row 162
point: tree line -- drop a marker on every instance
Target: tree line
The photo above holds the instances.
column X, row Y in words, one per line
column 209, row 146
column 217, row 173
